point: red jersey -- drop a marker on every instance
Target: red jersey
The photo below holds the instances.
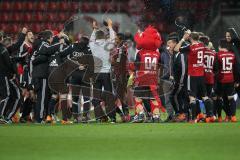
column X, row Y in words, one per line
column 226, row 62
column 147, row 67
column 195, row 59
column 209, row 60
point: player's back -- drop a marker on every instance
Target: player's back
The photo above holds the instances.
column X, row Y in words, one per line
column 226, row 61
column 209, row 60
column 195, row 60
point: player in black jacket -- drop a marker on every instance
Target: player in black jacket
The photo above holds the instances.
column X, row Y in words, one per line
column 81, row 78
column 40, row 72
column 9, row 92
column 179, row 92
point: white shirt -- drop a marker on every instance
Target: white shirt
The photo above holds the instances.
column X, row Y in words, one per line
column 101, row 51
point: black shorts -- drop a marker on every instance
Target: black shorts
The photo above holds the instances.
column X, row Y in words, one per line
column 226, row 89
column 196, row 86
column 143, row 92
column 25, row 78
column 210, row 90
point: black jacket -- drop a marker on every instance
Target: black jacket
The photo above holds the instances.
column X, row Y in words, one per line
column 7, row 67
column 15, row 47
column 83, row 50
column 40, row 59
column 179, row 68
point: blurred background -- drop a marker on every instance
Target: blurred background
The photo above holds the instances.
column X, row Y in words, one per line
column 75, row 16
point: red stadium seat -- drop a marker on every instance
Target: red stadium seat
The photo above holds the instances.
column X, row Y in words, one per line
column 14, row 28
column 53, row 6
column 5, row 17
column 105, row 7
column 85, row 7
column 47, row 26
column 5, row 6
column 27, row 17
column 28, row 6
column 63, row 16
column 93, row 8
column 49, row 17
column 36, row 27
column 59, row 26
column 41, row 6
column 17, row 6
column 17, row 17
column 3, row 27
column 75, row 6
column 38, row 17
column 63, row 6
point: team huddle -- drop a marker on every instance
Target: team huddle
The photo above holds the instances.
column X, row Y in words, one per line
column 45, row 73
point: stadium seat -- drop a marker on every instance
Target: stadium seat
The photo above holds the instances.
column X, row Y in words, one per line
column 53, row 6
column 75, row 6
column 63, row 16
column 41, row 6
column 105, row 7
column 5, row 6
column 38, row 17
column 16, row 17
column 14, row 28
column 36, row 27
column 28, row 6
column 5, row 17
column 64, row 6
column 27, row 17
column 85, row 7
column 17, row 6
column 93, row 7
column 47, row 26
column 3, row 27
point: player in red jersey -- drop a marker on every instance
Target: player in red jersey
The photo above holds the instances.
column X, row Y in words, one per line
column 227, row 67
column 24, row 67
column 209, row 74
column 146, row 67
column 196, row 80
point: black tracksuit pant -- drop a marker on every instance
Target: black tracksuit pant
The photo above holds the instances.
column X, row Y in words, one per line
column 77, row 79
column 10, row 97
column 103, row 80
column 178, row 98
column 43, row 96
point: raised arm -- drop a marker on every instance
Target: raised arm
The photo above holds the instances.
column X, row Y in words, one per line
column 180, row 43
column 14, row 47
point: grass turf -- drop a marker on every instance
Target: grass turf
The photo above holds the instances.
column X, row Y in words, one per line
column 120, row 141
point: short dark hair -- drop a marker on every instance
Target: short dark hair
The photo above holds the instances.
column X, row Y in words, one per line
column 194, row 36
column 204, row 40
column 100, row 34
column 223, row 43
column 121, row 36
column 173, row 36
column 47, row 34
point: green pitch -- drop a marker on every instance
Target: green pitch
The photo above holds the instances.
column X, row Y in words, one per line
column 121, row 142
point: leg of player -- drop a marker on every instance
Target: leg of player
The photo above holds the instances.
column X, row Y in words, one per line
column 155, row 109
column 76, row 108
column 209, row 109
column 232, row 104
column 51, row 109
column 15, row 99
column 193, row 107
column 226, row 109
column 139, row 111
